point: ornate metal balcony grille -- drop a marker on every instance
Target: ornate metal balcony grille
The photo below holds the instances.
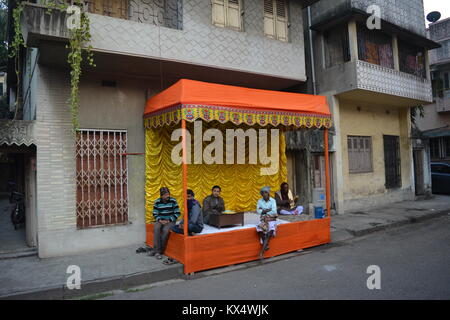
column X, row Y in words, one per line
column 102, row 178
column 167, row 13
column 337, row 50
column 412, row 59
column 375, row 47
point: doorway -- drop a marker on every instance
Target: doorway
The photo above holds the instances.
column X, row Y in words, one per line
column 418, row 172
column 392, row 164
column 17, row 173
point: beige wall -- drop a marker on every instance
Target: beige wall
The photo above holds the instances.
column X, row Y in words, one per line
column 367, row 189
column 119, row 107
column 202, row 43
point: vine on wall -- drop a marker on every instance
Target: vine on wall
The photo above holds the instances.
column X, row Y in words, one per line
column 79, row 39
column 16, row 44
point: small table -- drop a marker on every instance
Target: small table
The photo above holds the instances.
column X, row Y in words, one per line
column 221, row 220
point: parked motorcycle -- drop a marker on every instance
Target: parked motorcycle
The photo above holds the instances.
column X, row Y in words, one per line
column 18, row 212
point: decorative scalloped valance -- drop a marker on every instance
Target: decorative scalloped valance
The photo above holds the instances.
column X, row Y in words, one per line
column 192, row 112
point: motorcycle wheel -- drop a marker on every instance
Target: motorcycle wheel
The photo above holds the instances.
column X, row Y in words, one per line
column 15, row 217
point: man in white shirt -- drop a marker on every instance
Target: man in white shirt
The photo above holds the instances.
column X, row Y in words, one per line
column 267, row 208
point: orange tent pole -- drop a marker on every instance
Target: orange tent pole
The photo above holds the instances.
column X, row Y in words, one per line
column 185, row 171
column 327, row 173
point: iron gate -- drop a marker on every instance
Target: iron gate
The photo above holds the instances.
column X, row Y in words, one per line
column 101, row 175
column 392, row 163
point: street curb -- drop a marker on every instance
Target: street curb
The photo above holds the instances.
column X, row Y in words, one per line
column 17, row 255
column 104, row 285
column 247, row 265
column 96, row 286
column 405, row 221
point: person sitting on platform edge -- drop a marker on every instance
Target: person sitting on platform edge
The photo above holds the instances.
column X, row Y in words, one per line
column 213, row 204
column 286, row 203
column 195, row 221
column 166, row 211
column 267, row 208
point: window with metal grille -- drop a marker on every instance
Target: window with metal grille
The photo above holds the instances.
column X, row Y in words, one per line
column 227, row 14
column 392, row 165
column 359, row 154
column 101, row 176
column 434, row 148
column 374, row 46
column 446, row 146
column 337, row 49
column 319, row 171
column 111, row 8
column 276, row 19
column 440, row 148
column 411, row 59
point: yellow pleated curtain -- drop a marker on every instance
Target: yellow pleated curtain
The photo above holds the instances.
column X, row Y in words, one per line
column 240, row 183
column 223, row 107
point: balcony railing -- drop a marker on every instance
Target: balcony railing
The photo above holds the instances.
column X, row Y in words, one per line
column 36, row 23
column 389, row 81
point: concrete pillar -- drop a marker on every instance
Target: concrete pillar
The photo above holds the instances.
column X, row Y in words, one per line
column 427, row 65
column 395, row 52
column 338, row 177
column 406, row 153
column 353, row 40
column 30, row 203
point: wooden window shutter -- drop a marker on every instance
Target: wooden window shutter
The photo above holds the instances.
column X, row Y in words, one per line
column 281, row 25
column 234, row 14
column 218, row 12
column 269, row 21
column 120, row 9
column 359, row 154
column 96, row 6
column 351, row 154
column 111, row 8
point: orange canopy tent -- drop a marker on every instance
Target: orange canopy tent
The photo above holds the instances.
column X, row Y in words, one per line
column 189, row 100
column 189, row 92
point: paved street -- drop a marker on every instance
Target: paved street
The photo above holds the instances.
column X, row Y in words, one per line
column 414, row 262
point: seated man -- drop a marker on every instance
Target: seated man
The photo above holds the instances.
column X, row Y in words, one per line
column 267, row 209
column 195, row 224
column 166, row 211
column 213, row 204
column 286, row 204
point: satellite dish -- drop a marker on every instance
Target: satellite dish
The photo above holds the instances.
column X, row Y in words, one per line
column 434, row 16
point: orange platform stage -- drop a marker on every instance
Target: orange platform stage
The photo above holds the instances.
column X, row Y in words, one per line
column 221, row 249
column 222, row 107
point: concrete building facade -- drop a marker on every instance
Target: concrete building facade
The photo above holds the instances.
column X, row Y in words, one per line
column 372, row 78
column 139, row 50
column 435, row 125
column 142, row 47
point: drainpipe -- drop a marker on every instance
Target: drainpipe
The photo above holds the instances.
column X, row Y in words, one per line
column 311, row 52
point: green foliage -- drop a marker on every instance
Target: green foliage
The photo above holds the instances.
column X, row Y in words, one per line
column 17, row 41
column 51, row 4
column 416, row 112
column 3, row 35
column 79, row 39
column 16, row 44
